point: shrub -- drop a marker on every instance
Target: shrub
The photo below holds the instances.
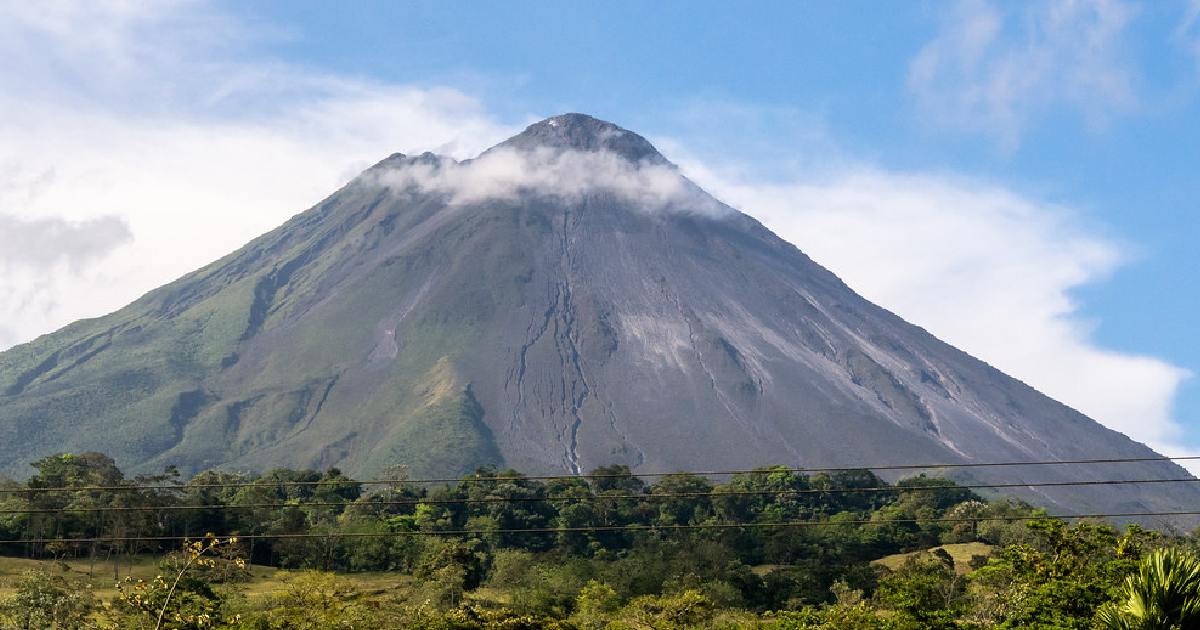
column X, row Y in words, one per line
column 45, row 601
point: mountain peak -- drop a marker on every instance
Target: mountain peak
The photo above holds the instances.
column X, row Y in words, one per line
column 508, row 315
column 580, row 132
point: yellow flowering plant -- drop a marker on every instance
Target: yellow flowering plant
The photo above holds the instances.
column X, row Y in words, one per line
column 179, row 599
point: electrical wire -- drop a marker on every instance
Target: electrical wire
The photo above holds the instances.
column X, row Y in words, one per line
column 594, row 498
column 623, row 475
column 599, row 528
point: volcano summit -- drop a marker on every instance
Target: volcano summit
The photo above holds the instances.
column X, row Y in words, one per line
column 563, row 301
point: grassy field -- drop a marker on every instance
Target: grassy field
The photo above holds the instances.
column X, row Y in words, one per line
column 262, row 583
column 264, row 580
column 960, row 552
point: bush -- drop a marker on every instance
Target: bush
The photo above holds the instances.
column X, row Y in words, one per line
column 311, row 600
column 688, row 609
column 540, row 588
column 597, row 598
column 192, row 605
column 444, row 587
column 45, row 601
column 859, row 616
column 924, row 588
column 468, row 558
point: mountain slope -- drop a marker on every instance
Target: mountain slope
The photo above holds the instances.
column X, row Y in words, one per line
column 564, row 301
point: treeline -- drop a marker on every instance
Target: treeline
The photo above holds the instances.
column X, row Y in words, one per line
column 771, row 547
column 325, row 520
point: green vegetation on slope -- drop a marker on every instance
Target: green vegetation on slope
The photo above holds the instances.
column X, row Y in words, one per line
column 444, row 433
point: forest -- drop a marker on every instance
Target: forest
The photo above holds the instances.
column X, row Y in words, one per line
column 84, row 546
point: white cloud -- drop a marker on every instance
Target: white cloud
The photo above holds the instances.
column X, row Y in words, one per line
column 504, row 173
column 983, row 268
column 46, row 242
column 992, row 70
column 125, row 111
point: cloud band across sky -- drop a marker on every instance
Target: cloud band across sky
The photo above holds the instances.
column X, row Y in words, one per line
column 984, row 269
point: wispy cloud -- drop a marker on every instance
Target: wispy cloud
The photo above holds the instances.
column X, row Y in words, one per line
column 1187, row 34
column 994, row 69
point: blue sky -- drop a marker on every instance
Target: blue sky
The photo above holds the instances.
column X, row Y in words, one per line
column 1019, row 178
column 841, row 67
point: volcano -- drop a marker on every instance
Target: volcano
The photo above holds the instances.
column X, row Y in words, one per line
column 566, row 300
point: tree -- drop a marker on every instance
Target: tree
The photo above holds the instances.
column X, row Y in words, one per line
column 687, row 501
column 924, row 588
column 505, row 500
column 616, row 504
column 468, row 558
column 1060, row 578
column 1163, row 595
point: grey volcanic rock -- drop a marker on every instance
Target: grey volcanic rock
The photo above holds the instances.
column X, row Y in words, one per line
column 566, row 300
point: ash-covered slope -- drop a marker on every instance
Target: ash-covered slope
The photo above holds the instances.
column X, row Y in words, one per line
column 564, row 301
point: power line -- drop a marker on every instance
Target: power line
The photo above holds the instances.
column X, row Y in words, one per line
column 623, row 475
column 601, row 528
column 596, row 497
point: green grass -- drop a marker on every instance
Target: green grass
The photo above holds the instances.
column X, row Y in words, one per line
column 960, row 552
column 262, row 584
column 100, row 575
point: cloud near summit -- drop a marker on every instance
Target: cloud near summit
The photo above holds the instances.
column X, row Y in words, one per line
column 506, row 173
